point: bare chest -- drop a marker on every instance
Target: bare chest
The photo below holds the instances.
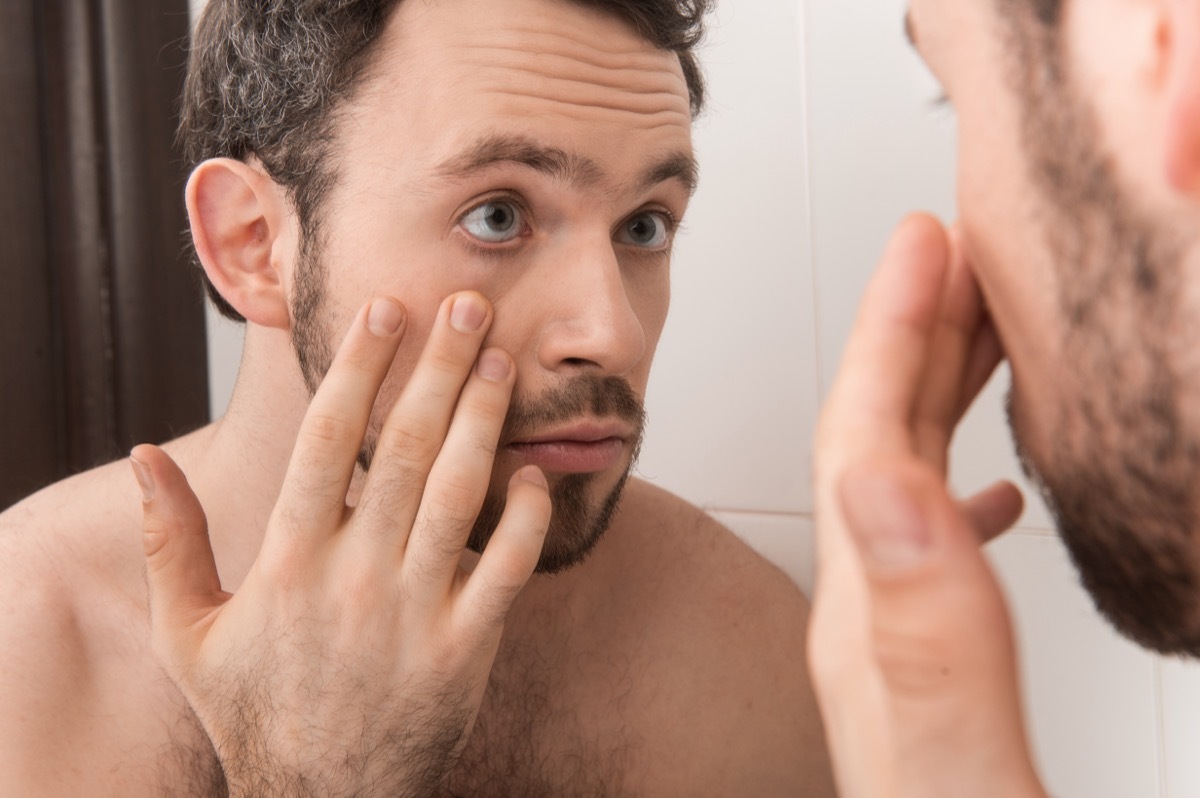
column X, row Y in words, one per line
column 550, row 724
column 561, row 725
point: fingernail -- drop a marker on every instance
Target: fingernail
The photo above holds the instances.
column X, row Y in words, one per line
column 145, row 479
column 384, row 317
column 467, row 314
column 534, row 475
column 492, row 366
column 886, row 520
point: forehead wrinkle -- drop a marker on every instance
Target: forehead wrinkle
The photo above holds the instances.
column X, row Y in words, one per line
column 551, row 66
column 603, row 36
column 640, row 92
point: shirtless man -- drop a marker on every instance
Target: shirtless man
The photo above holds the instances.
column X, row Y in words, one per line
column 424, row 210
column 1079, row 189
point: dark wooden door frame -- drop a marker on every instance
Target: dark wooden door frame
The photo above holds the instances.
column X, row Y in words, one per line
column 101, row 319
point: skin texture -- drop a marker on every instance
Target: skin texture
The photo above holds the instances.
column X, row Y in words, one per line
column 1066, row 242
column 338, row 640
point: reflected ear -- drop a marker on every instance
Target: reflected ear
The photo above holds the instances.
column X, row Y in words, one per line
column 1179, row 48
column 240, row 227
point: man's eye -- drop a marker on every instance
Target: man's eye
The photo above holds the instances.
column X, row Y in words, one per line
column 494, row 222
column 649, row 230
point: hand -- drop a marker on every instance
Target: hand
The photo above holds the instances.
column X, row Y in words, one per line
column 353, row 659
column 910, row 644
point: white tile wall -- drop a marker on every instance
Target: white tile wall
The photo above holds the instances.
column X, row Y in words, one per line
column 732, row 398
column 1091, row 697
column 820, row 135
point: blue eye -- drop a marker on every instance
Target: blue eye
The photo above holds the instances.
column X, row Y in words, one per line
column 649, row 230
column 494, row 222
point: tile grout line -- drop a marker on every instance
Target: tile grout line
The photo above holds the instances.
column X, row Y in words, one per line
column 1160, row 730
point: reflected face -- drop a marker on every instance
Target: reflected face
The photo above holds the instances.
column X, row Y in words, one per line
column 1085, row 277
column 540, row 153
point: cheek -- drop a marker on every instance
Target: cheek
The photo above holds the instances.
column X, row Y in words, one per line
column 649, row 293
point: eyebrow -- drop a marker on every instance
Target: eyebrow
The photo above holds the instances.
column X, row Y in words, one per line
column 561, row 164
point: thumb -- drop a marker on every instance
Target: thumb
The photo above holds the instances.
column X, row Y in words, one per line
column 941, row 636
column 180, row 570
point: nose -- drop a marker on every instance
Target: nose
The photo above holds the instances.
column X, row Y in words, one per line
column 592, row 324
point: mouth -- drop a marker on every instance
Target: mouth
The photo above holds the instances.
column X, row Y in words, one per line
column 581, row 448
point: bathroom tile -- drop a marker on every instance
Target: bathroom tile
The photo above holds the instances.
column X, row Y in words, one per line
column 786, row 540
column 1091, row 696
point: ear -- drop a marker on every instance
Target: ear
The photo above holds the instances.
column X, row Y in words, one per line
column 1179, row 50
column 241, row 228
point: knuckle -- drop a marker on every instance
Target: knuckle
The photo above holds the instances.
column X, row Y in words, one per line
column 324, row 429
column 456, row 493
column 450, row 360
column 283, row 567
column 408, row 440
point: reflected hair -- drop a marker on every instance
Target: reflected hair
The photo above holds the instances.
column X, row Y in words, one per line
column 266, row 79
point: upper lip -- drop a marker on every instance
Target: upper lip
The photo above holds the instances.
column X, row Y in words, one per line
column 578, row 432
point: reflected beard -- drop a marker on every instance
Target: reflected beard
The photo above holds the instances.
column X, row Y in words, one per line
column 576, row 524
column 1119, row 472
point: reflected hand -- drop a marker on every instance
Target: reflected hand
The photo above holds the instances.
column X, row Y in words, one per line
column 354, row 657
column 910, row 644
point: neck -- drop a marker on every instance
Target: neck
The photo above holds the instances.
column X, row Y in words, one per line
column 237, row 464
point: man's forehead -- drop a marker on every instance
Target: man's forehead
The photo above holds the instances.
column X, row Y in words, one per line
column 569, row 51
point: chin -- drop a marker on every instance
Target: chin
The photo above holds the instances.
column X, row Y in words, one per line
column 583, row 508
column 1128, row 516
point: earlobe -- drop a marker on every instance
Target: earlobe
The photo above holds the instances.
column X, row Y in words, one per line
column 239, row 224
column 1179, row 46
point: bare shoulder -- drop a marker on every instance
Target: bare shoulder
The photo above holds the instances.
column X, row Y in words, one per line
column 75, row 672
column 732, row 632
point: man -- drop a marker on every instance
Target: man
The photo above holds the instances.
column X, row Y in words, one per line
column 1078, row 172
column 448, row 226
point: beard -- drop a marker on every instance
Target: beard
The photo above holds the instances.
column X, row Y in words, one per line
column 578, row 518
column 1119, row 471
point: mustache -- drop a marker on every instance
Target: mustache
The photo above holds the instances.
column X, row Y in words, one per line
column 604, row 397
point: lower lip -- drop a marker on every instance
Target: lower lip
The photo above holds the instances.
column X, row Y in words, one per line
column 571, row 457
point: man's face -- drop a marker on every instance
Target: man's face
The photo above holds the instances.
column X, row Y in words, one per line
column 1082, row 264
column 539, row 153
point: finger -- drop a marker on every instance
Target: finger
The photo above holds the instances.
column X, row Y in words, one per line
column 960, row 315
column 880, row 375
column 510, row 557
column 986, row 354
column 181, row 573
column 461, row 474
column 870, row 407
column 940, row 631
column 993, row 510
column 313, row 498
column 416, row 425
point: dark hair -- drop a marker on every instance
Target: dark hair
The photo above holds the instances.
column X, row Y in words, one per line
column 267, row 79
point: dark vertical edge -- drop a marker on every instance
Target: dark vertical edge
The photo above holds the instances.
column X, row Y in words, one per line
column 79, row 249
column 29, row 434
column 160, row 370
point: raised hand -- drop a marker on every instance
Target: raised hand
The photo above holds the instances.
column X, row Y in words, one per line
column 910, row 644
column 353, row 658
